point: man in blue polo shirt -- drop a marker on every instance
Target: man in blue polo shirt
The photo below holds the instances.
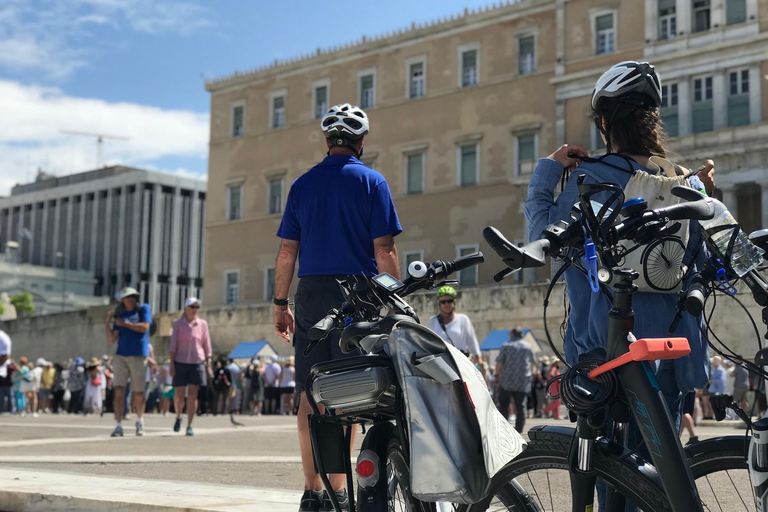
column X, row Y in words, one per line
column 339, row 220
column 131, row 332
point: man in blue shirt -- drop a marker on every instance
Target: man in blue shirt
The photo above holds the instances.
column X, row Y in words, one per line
column 131, row 332
column 339, row 220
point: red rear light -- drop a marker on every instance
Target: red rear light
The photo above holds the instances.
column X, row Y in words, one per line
column 366, row 468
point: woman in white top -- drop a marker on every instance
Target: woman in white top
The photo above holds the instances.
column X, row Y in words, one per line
column 287, row 385
column 455, row 328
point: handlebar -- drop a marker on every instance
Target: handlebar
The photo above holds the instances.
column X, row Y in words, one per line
column 527, row 256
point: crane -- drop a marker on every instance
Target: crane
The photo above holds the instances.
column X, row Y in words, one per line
column 99, row 141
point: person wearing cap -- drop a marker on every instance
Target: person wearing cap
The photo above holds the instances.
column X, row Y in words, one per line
column 339, row 221
column 131, row 333
column 513, row 376
column 45, row 393
column 76, row 385
column 190, row 365
column 455, row 328
column 92, row 401
column 271, row 374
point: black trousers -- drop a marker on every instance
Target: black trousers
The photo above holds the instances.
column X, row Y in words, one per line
column 520, row 398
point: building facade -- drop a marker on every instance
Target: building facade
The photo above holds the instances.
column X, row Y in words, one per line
column 124, row 226
column 461, row 108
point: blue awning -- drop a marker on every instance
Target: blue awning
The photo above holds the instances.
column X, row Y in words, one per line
column 496, row 339
column 251, row 349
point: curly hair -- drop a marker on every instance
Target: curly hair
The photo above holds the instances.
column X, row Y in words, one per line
column 634, row 126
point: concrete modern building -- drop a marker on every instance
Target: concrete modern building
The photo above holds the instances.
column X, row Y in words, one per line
column 124, row 226
column 460, row 109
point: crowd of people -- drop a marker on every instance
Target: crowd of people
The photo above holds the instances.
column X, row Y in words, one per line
column 76, row 386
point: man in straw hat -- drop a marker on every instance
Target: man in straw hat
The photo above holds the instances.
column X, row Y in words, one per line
column 131, row 333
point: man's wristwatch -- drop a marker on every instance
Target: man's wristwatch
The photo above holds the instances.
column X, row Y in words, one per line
column 280, row 302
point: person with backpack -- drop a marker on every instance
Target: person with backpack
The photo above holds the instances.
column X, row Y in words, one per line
column 222, row 382
column 625, row 108
column 455, row 328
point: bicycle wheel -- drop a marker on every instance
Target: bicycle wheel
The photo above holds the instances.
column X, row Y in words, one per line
column 538, row 479
column 399, row 497
column 720, row 468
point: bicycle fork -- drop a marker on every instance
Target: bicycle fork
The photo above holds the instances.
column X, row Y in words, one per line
column 583, row 477
column 758, row 463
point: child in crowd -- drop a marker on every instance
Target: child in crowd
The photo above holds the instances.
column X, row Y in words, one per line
column 92, row 402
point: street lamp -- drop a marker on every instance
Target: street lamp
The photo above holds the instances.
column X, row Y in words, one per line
column 60, row 254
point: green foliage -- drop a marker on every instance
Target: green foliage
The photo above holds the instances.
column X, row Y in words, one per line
column 23, row 302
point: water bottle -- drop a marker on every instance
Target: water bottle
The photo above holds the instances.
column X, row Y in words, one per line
column 745, row 256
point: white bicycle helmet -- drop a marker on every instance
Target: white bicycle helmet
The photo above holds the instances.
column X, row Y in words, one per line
column 627, row 77
column 345, row 121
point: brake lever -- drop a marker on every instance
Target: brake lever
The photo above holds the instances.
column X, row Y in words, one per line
column 503, row 274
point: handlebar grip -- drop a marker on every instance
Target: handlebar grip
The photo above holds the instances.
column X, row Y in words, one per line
column 323, row 327
column 694, row 298
column 467, row 261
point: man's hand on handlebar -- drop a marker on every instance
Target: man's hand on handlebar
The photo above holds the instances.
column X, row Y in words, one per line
column 284, row 322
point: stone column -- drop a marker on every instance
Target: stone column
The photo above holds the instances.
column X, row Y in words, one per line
column 560, row 34
column 157, row 227
column 729, row 197
column 559, row 123
column 146, row 201
column 717, row 13
column 105, row 270
column 10, row 226
column 194, row 238
column 94, row 231
column 19, row 238
column 173, row 289
column 719, row 100
column 67, row 242
column 136, row 233
column 57, row 246
column 81, row 234
column 684, row 107
column 755, row 99
column 43, row 260
column 120, row 242
column 683, row 16
column 32, row 227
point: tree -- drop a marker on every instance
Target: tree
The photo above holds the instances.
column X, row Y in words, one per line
column 23, row 302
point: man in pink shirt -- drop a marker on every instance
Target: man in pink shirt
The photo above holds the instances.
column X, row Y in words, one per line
column 190, row 361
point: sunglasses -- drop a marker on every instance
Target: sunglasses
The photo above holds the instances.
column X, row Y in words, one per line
column 447, row 301
column 194, row 307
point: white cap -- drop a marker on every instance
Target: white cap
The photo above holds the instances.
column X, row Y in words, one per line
column 40, row 362
column 190, row 301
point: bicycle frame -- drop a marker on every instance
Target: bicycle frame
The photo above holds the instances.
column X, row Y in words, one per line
column 649, row 411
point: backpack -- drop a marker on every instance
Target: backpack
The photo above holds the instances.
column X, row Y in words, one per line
column 660, row 262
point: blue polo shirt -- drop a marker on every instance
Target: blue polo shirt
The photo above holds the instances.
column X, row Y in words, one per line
column 132, row 343
column 335, row 211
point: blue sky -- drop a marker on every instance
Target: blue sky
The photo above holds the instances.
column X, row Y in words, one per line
column 135, row 68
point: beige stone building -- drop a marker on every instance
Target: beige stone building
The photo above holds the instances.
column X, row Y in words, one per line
column 460, row 109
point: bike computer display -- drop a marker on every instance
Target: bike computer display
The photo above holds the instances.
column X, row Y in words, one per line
column 387, row 282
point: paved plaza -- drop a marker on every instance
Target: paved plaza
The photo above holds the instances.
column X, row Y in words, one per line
column 70, row 463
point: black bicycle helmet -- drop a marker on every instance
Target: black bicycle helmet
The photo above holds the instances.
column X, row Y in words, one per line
column 628, row 77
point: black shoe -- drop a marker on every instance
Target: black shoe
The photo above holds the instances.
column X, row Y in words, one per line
column 341, row 496
column 311, row 501
column 177, row 425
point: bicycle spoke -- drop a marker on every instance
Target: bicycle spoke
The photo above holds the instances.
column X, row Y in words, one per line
column 714, row 494
column 535, row 492
column 737, row 490
column 549, row 486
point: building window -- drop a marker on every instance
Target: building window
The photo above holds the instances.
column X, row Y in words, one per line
column 278, row 112
column 526, row 55
column 469, row 68
column 409, row 257
column 525, row 158
column 605, row 34
column 735, row 11
column 701, row 16
column 667, row 19
column 738, row 98
column 669, row 113
column 468, row 276
column 469, row 165
column 320, row 99
column 234, row 202
column 367, row 90
column 269, row 283
column 703, row 118
column 238, row 120
column 415, row 173
column 596, row 142
column 416, row 79
column 275, row 199
column 232, row 287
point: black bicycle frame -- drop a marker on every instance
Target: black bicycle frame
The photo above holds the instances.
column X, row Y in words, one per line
column 649, row 410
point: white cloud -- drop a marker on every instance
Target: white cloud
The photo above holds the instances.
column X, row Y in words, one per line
column 33, row 117
column 55, row 36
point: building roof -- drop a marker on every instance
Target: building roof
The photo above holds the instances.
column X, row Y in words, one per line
column 46, row 181
column 496, row 339
column 364, row 44
column 251, row 349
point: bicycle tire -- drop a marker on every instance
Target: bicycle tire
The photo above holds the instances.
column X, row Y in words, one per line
column 549, row 448
column 721, row 455
column 399, row 479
